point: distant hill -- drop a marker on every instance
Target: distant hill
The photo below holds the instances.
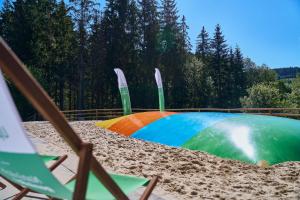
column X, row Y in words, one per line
column 287, row 72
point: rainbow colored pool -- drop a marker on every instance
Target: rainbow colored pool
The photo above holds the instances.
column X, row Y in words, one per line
column 245, row 137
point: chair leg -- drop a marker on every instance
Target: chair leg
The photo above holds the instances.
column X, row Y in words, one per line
column 85, row 155
column 2, row 186
column 58, row 162
column 149, row 188
column 21, row 194
column 25, row 191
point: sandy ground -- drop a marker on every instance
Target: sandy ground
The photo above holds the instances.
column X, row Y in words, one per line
column 184, row 174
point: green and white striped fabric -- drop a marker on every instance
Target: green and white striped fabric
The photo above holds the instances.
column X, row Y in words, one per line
column 160, row 90
column 124, row 91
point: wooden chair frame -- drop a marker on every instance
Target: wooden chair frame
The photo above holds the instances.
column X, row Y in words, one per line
column 12, row 66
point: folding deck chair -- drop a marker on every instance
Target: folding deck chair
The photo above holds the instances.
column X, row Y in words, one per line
column 19, row 162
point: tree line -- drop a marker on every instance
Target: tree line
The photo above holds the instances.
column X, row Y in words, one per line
column 72, row 48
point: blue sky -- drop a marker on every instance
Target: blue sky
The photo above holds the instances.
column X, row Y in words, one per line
column 267, row 31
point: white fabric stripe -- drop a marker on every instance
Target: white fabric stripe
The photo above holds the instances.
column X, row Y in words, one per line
column 13, row 138
column 158, row 78
column 121, row 78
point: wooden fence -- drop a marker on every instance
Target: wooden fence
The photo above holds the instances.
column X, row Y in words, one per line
column 103, row 114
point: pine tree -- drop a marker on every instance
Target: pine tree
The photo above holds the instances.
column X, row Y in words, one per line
column 203, row 45
column 149, row 23
column 114, row 23
column 63, row 48
column 218, row 66
column 114, row 19
column 185, row 39
column 239, row 77
column 82, row 10
column 183, row 54
column 172, row 61
column 229, row 86
column 97, row 56
column 150, row 27
column 133, row 67
column 203, row 53
column 169, row 25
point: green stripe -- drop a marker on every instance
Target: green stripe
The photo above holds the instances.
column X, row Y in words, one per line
column 29, row 171
column 251, row 138
column 47, row 158
column 97, row 191
column 125, row 101
column 161, row 99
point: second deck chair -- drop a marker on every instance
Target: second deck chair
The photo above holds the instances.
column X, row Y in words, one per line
column 20, row 163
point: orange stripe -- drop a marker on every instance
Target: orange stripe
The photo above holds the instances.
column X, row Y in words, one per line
column 132, row 123
column 107, row 123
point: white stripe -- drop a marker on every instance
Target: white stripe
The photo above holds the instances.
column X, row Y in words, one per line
column 158, row 78
column 12, row 135
column 121, row 78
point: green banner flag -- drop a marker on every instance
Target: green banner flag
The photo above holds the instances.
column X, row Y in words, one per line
column 124, row 91
column 160, row 90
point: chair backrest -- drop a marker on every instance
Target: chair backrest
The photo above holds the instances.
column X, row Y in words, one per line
column 19, row 161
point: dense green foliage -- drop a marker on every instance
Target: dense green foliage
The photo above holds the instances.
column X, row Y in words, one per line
column 262, row 95
column 287, row 72
column 72, row 49
column 272, row 94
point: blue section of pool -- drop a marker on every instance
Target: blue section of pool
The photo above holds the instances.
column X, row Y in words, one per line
column 175, row 130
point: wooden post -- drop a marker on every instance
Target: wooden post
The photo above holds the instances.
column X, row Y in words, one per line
column 30, row 88
column 82, row 176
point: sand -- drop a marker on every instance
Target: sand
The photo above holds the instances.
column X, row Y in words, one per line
column 184, row 174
